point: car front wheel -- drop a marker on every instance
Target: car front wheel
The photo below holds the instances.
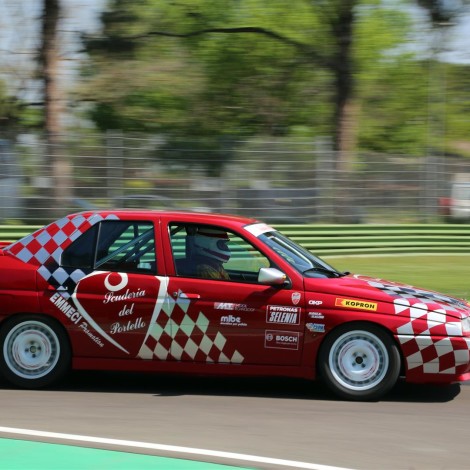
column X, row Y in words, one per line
column 359, row 362
column 35, row 351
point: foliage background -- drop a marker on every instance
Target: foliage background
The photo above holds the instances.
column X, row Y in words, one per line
column 366, row 77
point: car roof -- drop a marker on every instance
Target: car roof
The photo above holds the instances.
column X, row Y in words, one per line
column 174, row 215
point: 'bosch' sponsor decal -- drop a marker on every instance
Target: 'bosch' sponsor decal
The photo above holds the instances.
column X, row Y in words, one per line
column 283, row 315
column 234, row 307
column 281, row 339
column 357, row 304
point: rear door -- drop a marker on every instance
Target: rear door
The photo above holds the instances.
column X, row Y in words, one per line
column 118, row 293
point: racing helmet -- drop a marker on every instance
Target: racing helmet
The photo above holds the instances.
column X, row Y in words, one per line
column 212, row 243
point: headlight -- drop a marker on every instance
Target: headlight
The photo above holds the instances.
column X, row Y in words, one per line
column 466, row 325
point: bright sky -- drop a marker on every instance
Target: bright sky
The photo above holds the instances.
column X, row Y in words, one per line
column 19, row 36
column 460, row 41
column 19, row 21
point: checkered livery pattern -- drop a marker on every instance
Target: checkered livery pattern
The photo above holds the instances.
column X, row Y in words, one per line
column 430, row 338
column 426, row 297
column 183, row 333
column 431, row 335
column 44, row 248
column 427, row 343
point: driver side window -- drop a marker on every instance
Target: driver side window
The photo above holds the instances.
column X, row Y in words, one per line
column 245, row 261
column 210, row 252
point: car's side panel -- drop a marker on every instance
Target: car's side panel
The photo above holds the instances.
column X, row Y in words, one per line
column 191, row 368
column 233, row 322
column 18, row 292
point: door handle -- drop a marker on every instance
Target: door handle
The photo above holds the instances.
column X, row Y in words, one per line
column 58, row 289
column 186, row 295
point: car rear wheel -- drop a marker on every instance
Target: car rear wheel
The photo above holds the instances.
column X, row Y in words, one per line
column 35, row 351
column 359, row 362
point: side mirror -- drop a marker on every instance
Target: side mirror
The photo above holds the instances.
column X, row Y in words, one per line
column 271, row 277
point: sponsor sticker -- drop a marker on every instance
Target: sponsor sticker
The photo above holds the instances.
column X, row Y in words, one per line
column 233, row 307
column 63, row 305
column 274, row 339
column 258, row 229
column 317, row 315
column 296, row 297
column 356, row 304
column 74, row 316
column 316, row 327
column 283, row 315
column 315, row 302
column 231, row 320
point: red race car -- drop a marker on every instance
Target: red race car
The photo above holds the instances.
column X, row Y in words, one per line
column 213, row 294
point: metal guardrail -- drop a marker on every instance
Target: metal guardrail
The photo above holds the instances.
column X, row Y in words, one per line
column 282, row 181
column 350, row 239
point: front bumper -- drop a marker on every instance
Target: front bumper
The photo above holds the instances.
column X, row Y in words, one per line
column 443, row 359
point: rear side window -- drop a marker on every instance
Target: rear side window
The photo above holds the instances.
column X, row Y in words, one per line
column 80, row 254
column 114, row 246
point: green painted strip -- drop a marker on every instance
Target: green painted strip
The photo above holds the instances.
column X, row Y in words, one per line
column 350, row 239
column 20, row 455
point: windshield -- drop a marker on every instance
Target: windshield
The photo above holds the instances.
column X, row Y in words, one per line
column 299, row 258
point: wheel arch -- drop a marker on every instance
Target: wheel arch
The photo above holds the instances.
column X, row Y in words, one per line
column 6, row 319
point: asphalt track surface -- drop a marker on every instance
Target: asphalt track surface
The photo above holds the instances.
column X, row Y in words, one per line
column 133, row 421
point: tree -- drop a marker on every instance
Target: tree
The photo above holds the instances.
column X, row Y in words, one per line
column 209, row 87
column 442, row 16
column 441, row 12
column 247, row 67
column 11, row 110
column 48, row 62
column 48, row 74
column 288, row 48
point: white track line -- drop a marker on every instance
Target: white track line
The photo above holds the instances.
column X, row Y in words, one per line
column 167, row 448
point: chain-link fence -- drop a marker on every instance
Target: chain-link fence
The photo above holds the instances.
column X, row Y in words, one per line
column 276, row 180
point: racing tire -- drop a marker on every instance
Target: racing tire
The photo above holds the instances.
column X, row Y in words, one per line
column 359, row 362
column 35, row 351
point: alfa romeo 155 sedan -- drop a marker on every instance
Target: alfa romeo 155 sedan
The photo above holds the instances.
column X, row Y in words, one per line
column 209, row 294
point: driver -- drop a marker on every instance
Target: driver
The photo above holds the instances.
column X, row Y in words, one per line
column 211, row 251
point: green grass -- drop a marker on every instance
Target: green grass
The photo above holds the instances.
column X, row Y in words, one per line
column 448, row 274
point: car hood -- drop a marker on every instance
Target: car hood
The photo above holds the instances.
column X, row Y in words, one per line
column 355, row 286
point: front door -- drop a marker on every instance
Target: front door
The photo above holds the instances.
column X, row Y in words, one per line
column 234, row 320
